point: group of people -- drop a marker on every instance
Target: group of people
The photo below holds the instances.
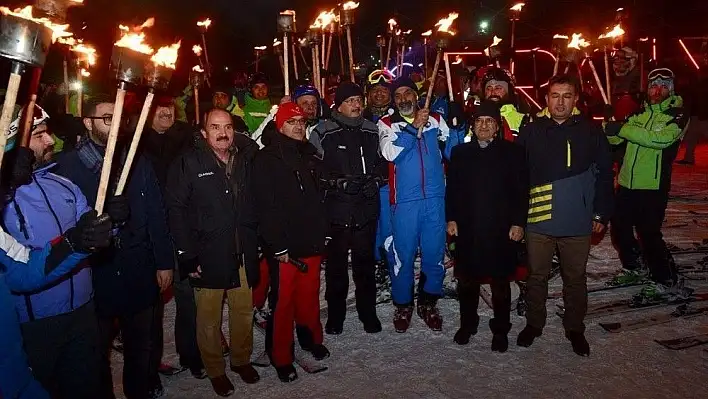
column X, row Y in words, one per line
column 248, row 208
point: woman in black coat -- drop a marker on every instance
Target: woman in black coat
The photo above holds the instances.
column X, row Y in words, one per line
column 486, row 207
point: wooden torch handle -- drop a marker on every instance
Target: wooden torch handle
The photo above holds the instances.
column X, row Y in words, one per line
column 110, row 150
column 134, row 144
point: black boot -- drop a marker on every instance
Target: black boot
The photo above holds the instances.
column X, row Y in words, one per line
column 579, row 343
column 372, row 325
column 462, row 336
column 286, row 373
column 319, row 352
column 528, row 335
column 500, row 329
column 334, row 327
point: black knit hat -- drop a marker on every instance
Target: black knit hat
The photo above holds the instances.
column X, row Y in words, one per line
column 489, row 108
column 403, row 82
column 346, row 90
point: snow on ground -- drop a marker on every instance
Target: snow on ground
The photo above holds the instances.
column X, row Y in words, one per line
column 423, row 364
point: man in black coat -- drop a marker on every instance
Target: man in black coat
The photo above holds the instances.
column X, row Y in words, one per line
column 486, row 202
column 129, row 277
column 208, row 204
column 353, row 171
column 292, row 223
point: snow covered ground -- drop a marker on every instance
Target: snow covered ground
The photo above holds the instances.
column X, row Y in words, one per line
column 423, row 364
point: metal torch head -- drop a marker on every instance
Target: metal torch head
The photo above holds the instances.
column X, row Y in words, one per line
column 442, row 41
column 24, row 40
column 128, row 65
column 157, row 76
column 494, row 52
column 573, row 55
column 313, row 37
column 559, row 44
column 53, row 9
column 380, row 41
column 347, row 17
column 286, row 23
column 401, row 39
column 196, row 78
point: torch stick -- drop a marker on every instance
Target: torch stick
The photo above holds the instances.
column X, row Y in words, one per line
column 28, row 119
column 534, row 54
column 351, row 53
column 430, row 88
column 295, row 69
column 316, row 69
column 329, row 51
column 425, row 55
column 449, row 78
column 381, row 57
column 8, row 107
column 282, row 65
column 206, row 54
column 324, row 48
column 302, row 55
column 134, row 143
column 66, row 86
column 110, row 148
column 390, row 45
column 341, row 51
column 196, row 105
column 597, row 80
column 567, row 68
column 556, row 65
column 607, row 77
column 286, row 65
column 79, row 94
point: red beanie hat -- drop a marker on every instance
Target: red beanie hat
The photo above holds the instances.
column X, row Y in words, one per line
column 286, row 111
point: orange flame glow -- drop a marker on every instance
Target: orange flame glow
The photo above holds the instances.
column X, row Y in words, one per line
column 392, row 24
column 167, row 56
column 205, row 24
column 427, row 33
column 261, row 48
column 287, row 12
column 58, row 31
column 197, row 50
column 617, row 31
column 458, row 60
column 135, row 40
column 88, row 52
column 561, row 37
column 85, row 73
column 517, row 7
column 325, row 19
column 578, row 42
column 445, row 23
column 197, row 68
column 276, row 42
column 350, row 5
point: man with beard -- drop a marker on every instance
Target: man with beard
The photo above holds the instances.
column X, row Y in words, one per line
column 417, row 200
column 127, row 279
column 66, row 363
column 570, row 198
column 652, row 138
column 498, row 86
column 292, row 222
column 211, row 222
column 352, row 169
column 164, row 141
column 256, row 103
column 486, row 205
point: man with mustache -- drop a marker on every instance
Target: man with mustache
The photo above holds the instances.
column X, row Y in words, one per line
column 570, row 199
column 497, row 85
column 353, row 171
column 410, row 140
column 207, row 196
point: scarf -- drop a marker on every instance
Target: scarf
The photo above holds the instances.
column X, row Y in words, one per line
column 90, row 154
column 350, row 122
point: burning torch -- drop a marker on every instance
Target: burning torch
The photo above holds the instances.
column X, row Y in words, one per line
column 128, row 61
column 203, row 28
column 85, row 58
column 402, row 42
column 442, row 41
column 381, row 44
column 494, row 52
column 196, row 80
column 277, row 49
column 559, row 45
column 608, row 40
column 258, row 52
column 158, row 73
column 426, row 41
column 391, row 32
column 347, row 20
column 286, row 24
column 314, row 40
column 514, row 15
column 25, row 40
column 576, row 51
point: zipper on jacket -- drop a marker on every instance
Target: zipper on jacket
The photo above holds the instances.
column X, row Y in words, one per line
column 631, row 171
column 422, row 168
column 567, row 156
column 656, row 167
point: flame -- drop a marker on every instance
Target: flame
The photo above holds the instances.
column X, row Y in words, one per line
column 325, row 19
column 167, row 56
column 517, row 7
column 617, row 31
column 644, row 39
column 261, row 48
column 350, row 5
column 496, row 41
column 85, row 73
column 135, row 40
column 197, row 68
column 427, row 33
column 197, row 50
column 458, row 60
column 86, row 51
column 560, row 37
column 398, row 32
column 408, row 32
column 276, row 42
column 577, row 42
column 206, row 23
column 391, row 24
column 58, row 31
column 445, row 23
column 287, row 12
column 77, row 1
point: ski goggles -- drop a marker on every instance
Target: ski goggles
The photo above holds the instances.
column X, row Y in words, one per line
column 380, row 77
column 661, row 73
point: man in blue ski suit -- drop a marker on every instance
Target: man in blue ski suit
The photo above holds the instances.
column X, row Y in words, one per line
column 417, row 195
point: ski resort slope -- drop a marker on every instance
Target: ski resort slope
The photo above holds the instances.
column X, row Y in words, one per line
column 423, row 364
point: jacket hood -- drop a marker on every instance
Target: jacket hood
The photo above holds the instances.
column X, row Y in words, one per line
column 673, row 101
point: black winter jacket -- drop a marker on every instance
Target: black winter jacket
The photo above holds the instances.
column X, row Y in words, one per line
column 163, row 149
column 352, row 169
column 211, row 217
column 288, row 198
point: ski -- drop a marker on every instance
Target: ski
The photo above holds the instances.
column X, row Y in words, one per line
column 681, row 311
column 627, row 305
column 684, row 342
column 559, row 294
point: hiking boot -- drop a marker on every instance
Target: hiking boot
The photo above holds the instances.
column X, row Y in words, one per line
column 319, row 352
column 286, row 373
column 372, row 325
column 527, row 336
column 402, row 318
column 428, row 311
column 222, row 385
column 463, row 335
column 334, row 328
column 579, row 343
column 248, row 374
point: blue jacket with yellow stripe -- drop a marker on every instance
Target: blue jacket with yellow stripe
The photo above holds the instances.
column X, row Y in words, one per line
column 571, row 176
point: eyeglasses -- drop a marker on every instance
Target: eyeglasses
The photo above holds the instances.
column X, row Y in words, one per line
column 296, row 122
column 354, row 101
column 107, row 119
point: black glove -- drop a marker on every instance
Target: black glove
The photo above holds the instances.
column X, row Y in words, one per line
column 186, row 267
column 118, row 208
column 90, row 233
column 371, row 188
column 17, row 167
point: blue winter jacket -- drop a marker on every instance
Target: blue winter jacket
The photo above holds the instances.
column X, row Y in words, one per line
column 40, row 211
column 416, row 171
column 21, row 270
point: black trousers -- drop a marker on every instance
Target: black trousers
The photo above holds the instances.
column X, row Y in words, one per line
column 361, row 241
column 138, row 359
column 64, row 354
column 186, row 325
column 643, row 210
column 468, row 294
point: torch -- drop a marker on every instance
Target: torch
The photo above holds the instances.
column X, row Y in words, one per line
column 381, row 44
column 314, row 40
column 279, row 52
column 25, row 41
column 295, row 68
column 286, row 24
column 196, row 79
column 55, row 9
column 332, row 25
column 347, row 20
column 608, row 39
column 577, row 46
column 128, row 60
column 494, row 52
column 258, row 52
column 514, row 15
column 400, row 43
column 158, row 73
column 403, row 41
column 559, row 44
column 86, row 56
column 302, row 43
column 203, row 28
column 391, row 32
column 441, row 43
column 426, row 41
